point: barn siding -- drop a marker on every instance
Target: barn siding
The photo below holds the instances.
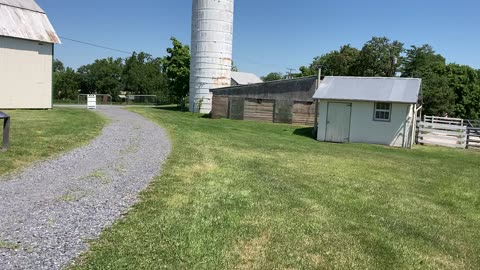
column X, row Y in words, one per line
column 259, row 110
column 303, row 113
column 220, row 107
column 237, row 105
column 25, row 74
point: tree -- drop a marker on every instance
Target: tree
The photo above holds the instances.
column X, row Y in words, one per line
column 379, row 57
column 58, row 66
column 423, row 62
column 176, row 65
column 66, row 84
column 104, row 76
column 335, row 63
column 273, row 76
column 234, row 67
column 464, row 81
column 418, row 59
column 143, row 75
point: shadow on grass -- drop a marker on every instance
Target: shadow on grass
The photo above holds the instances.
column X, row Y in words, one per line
column 305, row 132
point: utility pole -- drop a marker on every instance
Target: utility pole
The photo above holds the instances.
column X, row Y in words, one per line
column 289, row 76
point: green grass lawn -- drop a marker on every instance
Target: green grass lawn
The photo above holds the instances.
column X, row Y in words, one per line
column 246, row 195
column 36, row 135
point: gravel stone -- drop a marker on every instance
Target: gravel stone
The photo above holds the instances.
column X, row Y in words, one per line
column 49, row 211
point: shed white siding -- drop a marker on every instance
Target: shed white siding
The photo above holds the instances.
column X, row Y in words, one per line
column 363, row 129
column 25, row 74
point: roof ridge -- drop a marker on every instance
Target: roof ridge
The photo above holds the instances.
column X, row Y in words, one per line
column 383, row 78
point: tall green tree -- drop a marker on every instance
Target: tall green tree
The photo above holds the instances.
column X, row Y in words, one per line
column 464, row 81
column 423, row 62
column 176, row 65
column 58, row 66
column 104, row 76
column 66, row 84
column 273, row 76
column 143, row 75
column 335, row 63
column 379, row 57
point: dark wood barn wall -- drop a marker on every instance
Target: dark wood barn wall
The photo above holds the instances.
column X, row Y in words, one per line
column 267, row 110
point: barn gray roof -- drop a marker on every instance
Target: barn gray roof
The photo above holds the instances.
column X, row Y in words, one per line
column 26, row 20
column 397, row 90
column 245, row 78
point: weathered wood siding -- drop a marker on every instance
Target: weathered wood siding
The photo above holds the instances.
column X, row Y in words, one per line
column 220, row 107
column 237, row 105
column 283, row 111
column 259, row 110
column 303, row 113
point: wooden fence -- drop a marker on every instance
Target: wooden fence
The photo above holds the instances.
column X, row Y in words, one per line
column 473, row 138
column 442, row 134
column 449, row 132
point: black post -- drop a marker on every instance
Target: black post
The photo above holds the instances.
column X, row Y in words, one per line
column 6, row 133
column 468, row 137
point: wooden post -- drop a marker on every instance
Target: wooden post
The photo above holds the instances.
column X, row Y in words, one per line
column 468, row 138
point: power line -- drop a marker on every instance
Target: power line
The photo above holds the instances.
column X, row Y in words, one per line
column 95, row 45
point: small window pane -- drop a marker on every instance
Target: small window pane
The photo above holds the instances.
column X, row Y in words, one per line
column 382, row 111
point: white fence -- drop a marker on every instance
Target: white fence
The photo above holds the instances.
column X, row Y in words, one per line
column 442, row 131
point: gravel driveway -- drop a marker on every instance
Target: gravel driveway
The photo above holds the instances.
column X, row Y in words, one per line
column 50, row 210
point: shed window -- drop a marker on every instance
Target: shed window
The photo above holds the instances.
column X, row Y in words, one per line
column 382, row 111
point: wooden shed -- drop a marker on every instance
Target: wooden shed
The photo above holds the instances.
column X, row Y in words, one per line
column 284, row 101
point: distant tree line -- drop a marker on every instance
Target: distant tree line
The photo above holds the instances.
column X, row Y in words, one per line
column 140, row 74
column 448, row 89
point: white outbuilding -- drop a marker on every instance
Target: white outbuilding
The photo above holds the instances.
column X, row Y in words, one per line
column 26, row 55
column 372, row 110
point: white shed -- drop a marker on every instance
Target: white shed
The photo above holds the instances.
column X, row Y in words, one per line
column 368, row 110
column 26, row 55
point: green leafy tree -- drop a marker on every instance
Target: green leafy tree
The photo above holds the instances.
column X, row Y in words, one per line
column 464, row 81
column 143, row 75
column 104, row 76
column 335, row 63
column 379, row 57
column 66, row 84
column 422, row 62
column 273, row 76
column 176, row 66
column 58, row 66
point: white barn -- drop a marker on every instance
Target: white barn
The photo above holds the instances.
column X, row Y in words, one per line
column 368, row 110
column 26, row 55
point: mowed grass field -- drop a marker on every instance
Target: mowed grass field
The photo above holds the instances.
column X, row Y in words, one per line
column 247, row 195
column 37, row 134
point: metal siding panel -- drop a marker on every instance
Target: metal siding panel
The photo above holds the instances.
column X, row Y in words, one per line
column 26, row 24
column 401, row 90
column 25, row 74
column 211, row 50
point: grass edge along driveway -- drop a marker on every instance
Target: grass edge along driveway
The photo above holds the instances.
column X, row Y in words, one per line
column 246, row 195
column 40, row 134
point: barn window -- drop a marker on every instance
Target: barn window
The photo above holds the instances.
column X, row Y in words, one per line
column 383, row 111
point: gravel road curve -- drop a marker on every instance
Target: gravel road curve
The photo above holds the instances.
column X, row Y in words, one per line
column 49, row 211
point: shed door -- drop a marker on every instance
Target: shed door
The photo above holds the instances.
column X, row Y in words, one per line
column 338, row 122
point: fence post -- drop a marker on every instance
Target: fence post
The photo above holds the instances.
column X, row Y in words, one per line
column 468, row 138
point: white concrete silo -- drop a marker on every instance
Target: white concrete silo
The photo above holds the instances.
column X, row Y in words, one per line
column 211, row 50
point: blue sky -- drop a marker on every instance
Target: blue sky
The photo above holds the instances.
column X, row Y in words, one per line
column 269, row 35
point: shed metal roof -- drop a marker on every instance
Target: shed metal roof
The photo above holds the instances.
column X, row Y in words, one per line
column 396, row 90
column 245, row 78
column 26, row 20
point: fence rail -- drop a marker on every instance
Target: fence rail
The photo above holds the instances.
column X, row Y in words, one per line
column 473, row 138
column 449, row 132
column 449, row 135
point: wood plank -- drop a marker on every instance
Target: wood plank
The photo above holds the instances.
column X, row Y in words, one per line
column 442, row 144
column 441, row 126
column 449, row 138
column 431, row 130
